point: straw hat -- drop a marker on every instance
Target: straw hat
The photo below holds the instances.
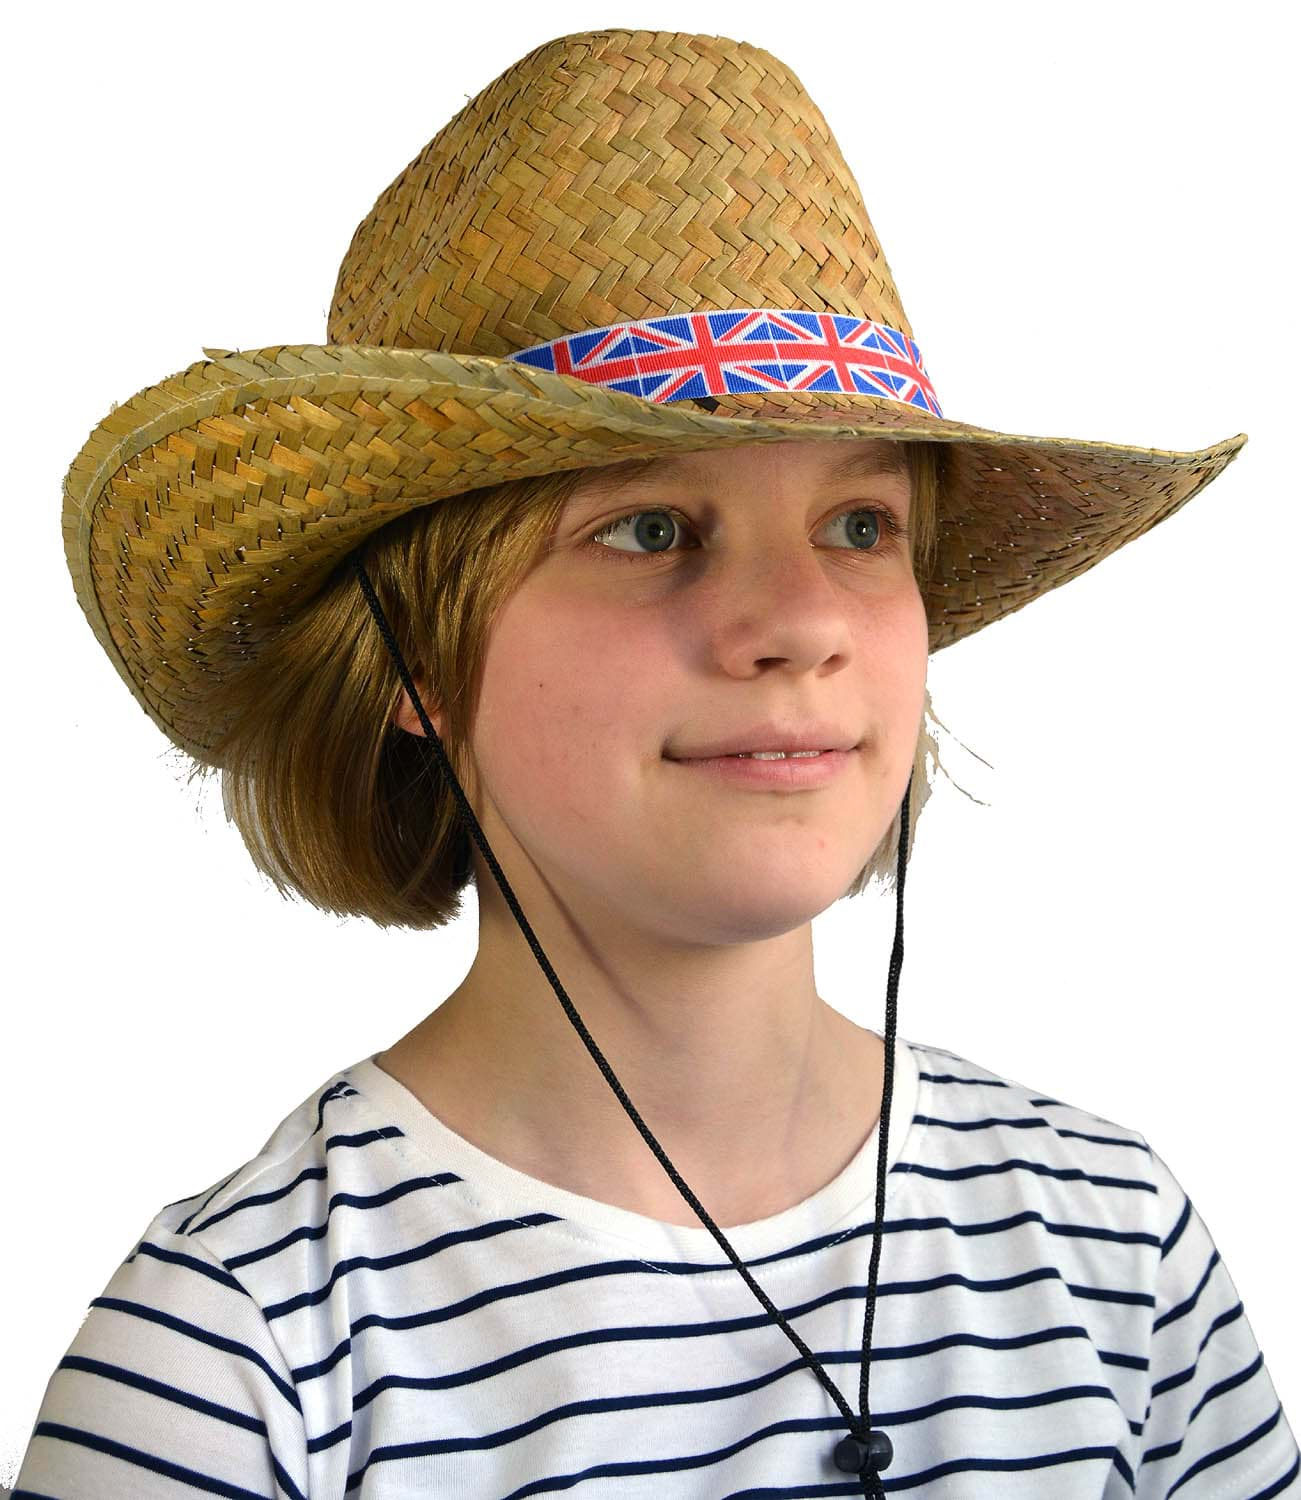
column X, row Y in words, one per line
column 622, row 224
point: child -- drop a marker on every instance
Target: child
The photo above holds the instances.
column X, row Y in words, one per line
column 396, row 589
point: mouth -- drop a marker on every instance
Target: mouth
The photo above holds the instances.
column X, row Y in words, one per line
column 792, row 773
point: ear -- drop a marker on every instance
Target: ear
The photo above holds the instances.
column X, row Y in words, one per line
column 405, row 716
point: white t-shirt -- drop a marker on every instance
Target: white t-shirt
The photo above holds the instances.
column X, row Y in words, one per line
column 373, row 1308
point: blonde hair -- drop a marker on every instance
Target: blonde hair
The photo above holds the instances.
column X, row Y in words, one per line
column 337, row 803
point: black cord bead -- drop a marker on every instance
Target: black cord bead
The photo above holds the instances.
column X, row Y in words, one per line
column 854, row 1456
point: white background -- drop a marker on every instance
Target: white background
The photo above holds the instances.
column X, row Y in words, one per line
column 1089, row 212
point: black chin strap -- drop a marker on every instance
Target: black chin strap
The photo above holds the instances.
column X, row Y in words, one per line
column 863, row 1451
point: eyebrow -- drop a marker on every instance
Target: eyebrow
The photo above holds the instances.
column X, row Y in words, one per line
column 635, row 474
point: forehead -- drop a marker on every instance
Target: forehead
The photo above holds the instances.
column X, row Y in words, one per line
column 829, row 462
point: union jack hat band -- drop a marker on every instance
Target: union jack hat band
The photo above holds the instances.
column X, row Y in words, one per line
column 631, row 243
column 687, row 356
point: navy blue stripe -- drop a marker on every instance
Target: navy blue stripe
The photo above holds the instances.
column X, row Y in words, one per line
column 201, row 1336
column 122, row 1376
column 921, row 1350
column 1230, row 1450
column 207, row 1483
column 184, row 1226
column 829, row 1425
column 260, row 1200
column 1268, row 1493
column 341, row 1200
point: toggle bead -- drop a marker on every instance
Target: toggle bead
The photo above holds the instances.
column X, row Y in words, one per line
column 853, row 1455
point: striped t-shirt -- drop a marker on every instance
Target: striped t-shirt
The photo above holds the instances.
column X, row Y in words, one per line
column 374, row 1307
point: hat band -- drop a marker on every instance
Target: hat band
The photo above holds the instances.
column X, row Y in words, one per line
column 689, row 355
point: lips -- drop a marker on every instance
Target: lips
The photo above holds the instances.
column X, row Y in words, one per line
column 804, row 771
column 748, row 755
column 797, row 750
column 797, row 733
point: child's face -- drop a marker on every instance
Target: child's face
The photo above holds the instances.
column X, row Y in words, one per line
column 753, row 601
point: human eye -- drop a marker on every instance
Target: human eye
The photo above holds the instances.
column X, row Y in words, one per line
column 888, row 534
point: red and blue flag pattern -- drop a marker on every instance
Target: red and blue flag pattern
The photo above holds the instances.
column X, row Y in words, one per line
column 686, row 356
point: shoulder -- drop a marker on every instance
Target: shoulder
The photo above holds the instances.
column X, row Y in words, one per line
column 319, row 1149
column 1023, row 1145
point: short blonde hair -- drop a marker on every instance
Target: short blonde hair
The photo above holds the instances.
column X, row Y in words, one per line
column 337, row 803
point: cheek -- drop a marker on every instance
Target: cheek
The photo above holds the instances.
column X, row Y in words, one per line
column 565, row 754
column 568, row 732
column 913, row 644
column 895, row 645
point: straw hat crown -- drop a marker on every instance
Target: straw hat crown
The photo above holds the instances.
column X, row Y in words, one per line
column 607, row 177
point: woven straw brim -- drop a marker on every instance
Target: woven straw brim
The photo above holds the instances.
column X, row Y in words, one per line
column 220, row 498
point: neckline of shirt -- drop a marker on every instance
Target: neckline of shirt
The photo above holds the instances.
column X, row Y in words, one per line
column 849, row 1197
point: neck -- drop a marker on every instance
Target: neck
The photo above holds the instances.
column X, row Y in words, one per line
column 759, row 1093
